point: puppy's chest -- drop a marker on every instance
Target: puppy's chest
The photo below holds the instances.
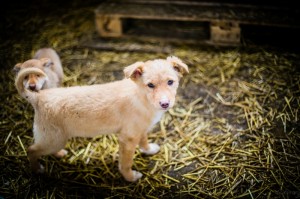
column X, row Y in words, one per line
column 157, row 117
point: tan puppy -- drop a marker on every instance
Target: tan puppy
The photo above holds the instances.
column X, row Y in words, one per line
column 129, row 107
column 47, row 60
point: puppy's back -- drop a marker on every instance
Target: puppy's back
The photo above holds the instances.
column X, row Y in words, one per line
column 52, row 54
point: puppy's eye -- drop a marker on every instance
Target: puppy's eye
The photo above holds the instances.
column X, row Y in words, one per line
column 170, row 82
column 38, row 75
column 150, row 85
column 26, row 77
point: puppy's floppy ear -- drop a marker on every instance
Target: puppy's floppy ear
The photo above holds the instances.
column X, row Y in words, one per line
column 178, row 65
column 17, row 68
column 46, row 62
column 134, row 71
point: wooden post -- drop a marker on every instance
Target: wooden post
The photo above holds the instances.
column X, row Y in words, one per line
column 109, row 26
column 225, row 32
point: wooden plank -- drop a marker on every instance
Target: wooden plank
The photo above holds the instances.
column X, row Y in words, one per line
column 224, row 19
column 203, row 11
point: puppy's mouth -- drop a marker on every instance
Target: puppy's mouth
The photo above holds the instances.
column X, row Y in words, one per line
column 165, row 108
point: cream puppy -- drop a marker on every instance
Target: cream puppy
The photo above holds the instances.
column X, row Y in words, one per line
column 47, row 60
column 128, row 107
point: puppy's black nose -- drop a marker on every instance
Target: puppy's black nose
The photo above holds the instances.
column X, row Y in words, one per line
column 164, row 105
column 32, row 87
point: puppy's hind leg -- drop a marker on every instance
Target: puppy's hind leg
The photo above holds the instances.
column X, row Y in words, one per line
column 61, row 153
column 41, row 148
column 34, row 152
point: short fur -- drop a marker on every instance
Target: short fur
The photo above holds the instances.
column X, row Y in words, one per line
column 47, row 60
column 128, row 107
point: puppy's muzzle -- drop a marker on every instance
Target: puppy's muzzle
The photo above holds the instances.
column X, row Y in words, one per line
column 164, row 103
column 32, row 87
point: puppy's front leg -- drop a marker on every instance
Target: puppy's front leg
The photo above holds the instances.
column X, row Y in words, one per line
column 146, row 148
column 126, row 152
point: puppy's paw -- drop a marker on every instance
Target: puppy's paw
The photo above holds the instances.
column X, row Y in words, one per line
column 40, row 169
column 61, row 153
column 153, row 149
column 136, row 175
column 132, row 175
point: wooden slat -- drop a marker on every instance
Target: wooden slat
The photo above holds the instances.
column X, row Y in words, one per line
column 201, row 11
column 224, row 19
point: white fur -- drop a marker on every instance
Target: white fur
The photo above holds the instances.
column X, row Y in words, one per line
column 157, row 117
column 153, row 149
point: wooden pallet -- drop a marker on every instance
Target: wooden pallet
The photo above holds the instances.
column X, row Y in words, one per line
column 222, row 21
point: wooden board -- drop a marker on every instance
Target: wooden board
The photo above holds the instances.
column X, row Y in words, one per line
column 224, row 19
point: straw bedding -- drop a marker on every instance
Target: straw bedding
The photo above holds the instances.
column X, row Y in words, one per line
column 233, row 132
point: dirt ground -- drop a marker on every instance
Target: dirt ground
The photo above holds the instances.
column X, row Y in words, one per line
column 233, row 133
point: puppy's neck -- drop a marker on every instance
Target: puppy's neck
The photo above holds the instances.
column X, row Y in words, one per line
column 157, row 117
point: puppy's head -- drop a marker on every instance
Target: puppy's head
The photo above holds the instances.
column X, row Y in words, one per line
column 33, row 81
column 158, row 79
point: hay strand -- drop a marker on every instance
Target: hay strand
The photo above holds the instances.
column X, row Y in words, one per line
column 233, row 132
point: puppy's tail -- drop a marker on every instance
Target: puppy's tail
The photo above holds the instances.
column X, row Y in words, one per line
column 30, row 96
